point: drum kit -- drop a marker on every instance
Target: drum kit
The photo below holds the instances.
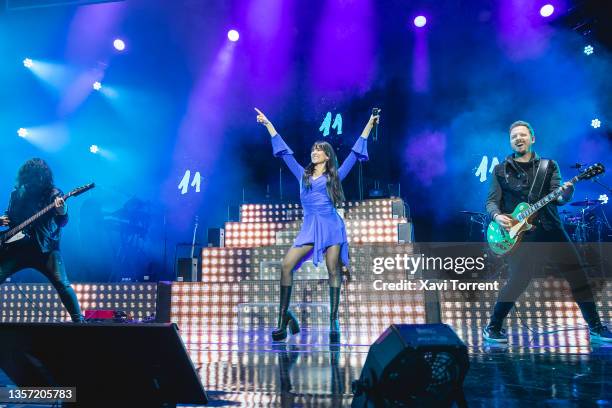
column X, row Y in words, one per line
column 589, row 222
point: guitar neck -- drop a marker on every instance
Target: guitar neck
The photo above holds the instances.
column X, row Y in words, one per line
column 15, row 230
column 553, row 195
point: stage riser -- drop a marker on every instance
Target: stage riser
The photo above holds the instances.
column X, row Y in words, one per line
column 358, row 232
column 251, row 235
column 269, row 291
column 197, row 303
column 211, row 306
column 43, row 304
column 253, row 264
column 353, row 210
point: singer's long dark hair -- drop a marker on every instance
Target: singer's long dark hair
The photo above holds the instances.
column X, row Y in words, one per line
column 333, row 186
column 35, row 177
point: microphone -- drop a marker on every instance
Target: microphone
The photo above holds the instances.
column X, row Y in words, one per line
column 375, row 112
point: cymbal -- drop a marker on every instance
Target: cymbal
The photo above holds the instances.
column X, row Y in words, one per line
column 472, row 212
column 585, row 203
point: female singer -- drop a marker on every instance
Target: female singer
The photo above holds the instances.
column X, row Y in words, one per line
column 323, row 232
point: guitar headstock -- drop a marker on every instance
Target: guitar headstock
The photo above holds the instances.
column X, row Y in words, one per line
column 593, row 170
column 80, row 190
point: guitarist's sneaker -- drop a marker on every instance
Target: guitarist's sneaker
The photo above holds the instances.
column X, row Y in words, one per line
column 494, row 334
column 601, row 333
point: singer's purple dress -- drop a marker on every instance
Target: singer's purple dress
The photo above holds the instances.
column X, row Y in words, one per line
column 323, row 226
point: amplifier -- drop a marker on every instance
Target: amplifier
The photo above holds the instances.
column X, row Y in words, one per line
column 187, row 270
column 216, row 237
column 405, row 233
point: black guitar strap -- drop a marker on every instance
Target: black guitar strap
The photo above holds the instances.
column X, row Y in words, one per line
column 538, row 181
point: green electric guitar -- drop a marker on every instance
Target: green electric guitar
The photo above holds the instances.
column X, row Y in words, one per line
column 502, row 241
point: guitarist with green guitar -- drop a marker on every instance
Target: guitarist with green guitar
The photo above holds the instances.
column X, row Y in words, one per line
column 524, row 194
column 35, row 216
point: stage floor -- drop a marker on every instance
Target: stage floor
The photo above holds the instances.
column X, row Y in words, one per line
column 559, row 369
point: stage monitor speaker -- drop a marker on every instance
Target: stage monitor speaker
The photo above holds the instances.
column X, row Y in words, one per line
column 398, row 209
column 110, row 365
column 405, row 233
column 233, row 213
column 415, row 365
column 216, row 237
column 188, row 270
column 163, row 304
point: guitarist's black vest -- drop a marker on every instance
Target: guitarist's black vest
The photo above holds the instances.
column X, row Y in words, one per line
column 44, row 232
column 516, row 180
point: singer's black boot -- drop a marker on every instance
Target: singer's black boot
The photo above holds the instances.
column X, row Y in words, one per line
column 285, row 317
column 334, row 322
column 597, row 330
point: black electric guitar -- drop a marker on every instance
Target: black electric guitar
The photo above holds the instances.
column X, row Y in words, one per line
column 16, row 233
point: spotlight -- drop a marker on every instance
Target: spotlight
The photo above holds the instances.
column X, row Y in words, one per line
column 547, row 10
column 28, row 63
column 588, row 50
column 420, row 21
column 94, row 149
column 119, row 44
column 233, row 35
column 596, row 123
column 97, row 85
column 22, row 132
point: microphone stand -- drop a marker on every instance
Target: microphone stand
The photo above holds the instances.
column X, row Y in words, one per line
column 280, row 183
column 603, row 185
column 360, row 181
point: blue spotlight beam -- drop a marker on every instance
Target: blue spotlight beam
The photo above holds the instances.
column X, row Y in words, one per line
column 31, row 4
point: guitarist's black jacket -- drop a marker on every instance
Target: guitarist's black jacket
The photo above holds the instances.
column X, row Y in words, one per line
column 45, row 231
column 510, row 186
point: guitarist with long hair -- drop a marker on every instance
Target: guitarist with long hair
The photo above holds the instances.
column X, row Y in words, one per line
column 40, row 248
column 526, row 177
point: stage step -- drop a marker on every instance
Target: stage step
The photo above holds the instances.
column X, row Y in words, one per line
column 254, row 264
column 251, row 235
column 373, row 209
column 271, row 270
column 217, row 303
column 214, row 306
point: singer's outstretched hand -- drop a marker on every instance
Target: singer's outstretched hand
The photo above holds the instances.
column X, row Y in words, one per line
column 374, row 119
column 261, row 118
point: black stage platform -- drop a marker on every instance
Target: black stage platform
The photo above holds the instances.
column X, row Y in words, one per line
column 559, row 369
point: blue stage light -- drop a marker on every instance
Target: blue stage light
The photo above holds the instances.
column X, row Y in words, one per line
column 22, row 132
column 28, row 63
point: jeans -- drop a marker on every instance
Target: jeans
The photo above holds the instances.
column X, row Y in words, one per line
column 22, row 255
column 530, row 255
